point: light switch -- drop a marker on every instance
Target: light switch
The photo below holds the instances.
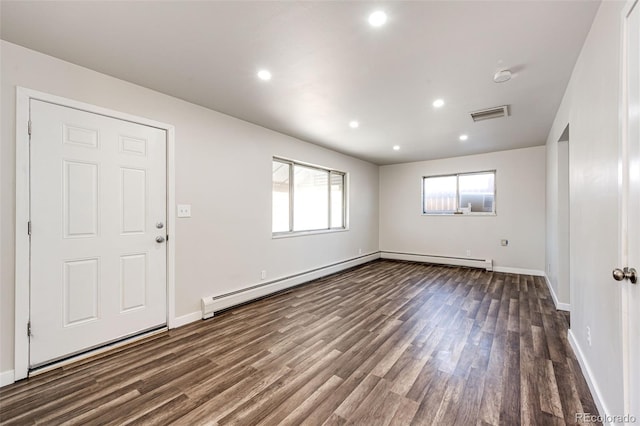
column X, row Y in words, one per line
column 184, row 210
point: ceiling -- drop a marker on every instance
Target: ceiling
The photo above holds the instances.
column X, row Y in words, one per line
column 330, row 66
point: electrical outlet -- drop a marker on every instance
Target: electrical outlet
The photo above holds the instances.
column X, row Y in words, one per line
column 549, row 268
column 468, row 252
column 184, row 210
column 359, row 251
column 263, row 275
column 589, row 335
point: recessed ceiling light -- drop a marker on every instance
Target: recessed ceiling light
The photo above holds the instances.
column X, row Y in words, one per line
column 354, row 124
column 377, row 18
column 264, row 75
column 464, row 137
column 396, row 147
column 438, row 103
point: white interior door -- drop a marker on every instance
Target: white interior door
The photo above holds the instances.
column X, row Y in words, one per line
column 630, row 230
column 98, row 203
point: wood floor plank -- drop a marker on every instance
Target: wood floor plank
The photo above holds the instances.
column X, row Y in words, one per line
column 315, row 389
column 379, row 406
column 405, row 413
column 333, row 420
column 213, row 406
column 301, row 410
column 433, row 395
column 273, row 396
column 387, row 342
column 451, row 400
column 548, row 389
column 470, row 399
column 568, row 393
column 359, row 394
column 326, row 409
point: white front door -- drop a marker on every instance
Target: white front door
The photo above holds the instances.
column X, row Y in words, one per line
column 630, row 230
column 98, row 203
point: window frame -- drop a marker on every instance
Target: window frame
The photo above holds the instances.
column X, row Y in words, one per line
column 330, row 172
column 458, row 212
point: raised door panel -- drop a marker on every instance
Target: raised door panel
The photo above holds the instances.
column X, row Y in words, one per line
column 81, row 291
column 133, row 200
column 133, row 281
column 80, row 199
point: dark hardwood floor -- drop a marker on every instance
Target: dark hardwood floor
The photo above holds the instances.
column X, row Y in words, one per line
column 384, row 343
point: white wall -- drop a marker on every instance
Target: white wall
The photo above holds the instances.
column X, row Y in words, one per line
column 520, row 198
column 223, row 169
column 590, row 107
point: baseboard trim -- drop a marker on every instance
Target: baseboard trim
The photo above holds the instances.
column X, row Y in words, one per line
column 7, row 378
column 588, row 375
column 229, row 300
column 519, row 271
column 438, row 260
column 559, row 305
column 187, row 319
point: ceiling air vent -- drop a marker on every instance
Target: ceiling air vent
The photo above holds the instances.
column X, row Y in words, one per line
column 490, row 113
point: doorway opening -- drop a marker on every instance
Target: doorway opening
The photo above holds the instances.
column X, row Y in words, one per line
column 563, row 205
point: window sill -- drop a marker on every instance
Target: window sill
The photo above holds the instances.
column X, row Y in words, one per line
column 303, row 233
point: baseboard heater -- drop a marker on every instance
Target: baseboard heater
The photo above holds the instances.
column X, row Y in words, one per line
column 440, row 260
column 212, row 304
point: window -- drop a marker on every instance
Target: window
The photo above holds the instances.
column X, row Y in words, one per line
column 467, row 193
column 306, row 198
column 280, row 195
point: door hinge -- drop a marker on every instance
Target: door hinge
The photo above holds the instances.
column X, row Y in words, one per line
column 29, row 127
column 29, row 329
column 167, row 237
column 29, row 228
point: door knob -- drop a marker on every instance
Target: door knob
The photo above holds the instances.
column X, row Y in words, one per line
column 159, row 239
column 627, row 273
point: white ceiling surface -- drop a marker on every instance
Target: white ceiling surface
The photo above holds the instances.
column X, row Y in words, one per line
column 330, row 66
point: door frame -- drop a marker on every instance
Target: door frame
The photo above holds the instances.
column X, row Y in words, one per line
column 623, row 194
column 23, row 208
